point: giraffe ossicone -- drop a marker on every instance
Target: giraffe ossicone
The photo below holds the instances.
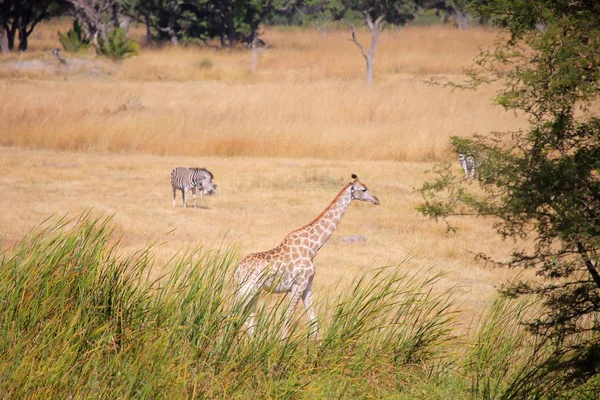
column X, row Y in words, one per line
column 289, row 267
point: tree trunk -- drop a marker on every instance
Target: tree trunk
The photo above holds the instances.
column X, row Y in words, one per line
column 148, row 30
column 23, row 42
column 588, row 263
column 369, row 60
column 231, row 37
column 462, row 19
column 11, row 33
column 23, row 22
column 375, row 28
column 3, row 40
column 3, row 36
column 231, row 28
column 114, row 15
column 173, row 37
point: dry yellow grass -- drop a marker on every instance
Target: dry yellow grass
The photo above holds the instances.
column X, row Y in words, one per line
column 307, row 99
column 403, row 120
column 281, row 140
column 261, row 200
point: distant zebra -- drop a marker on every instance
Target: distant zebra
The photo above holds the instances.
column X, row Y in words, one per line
column 469, row 164
column 185, row 179
column 56, row 54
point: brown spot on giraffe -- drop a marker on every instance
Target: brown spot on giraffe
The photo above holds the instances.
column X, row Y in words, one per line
column 289, row 267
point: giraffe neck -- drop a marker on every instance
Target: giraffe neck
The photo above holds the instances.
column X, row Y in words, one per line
column 322, row 227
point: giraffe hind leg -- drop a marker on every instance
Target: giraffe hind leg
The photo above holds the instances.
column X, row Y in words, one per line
column 245, row 301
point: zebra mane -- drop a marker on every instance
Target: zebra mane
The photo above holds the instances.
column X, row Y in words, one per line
column 202, row 170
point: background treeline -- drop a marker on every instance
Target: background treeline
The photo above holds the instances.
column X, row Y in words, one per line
column 222, row 23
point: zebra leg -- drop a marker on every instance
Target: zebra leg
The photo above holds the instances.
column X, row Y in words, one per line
column 174, row 194
column 184, row 191
column 462, row 159
column 194, row 195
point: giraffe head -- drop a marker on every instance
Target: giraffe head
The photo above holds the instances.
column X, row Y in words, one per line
column 360, row 191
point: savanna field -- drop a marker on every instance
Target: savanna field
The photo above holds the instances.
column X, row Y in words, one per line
column 94, row 140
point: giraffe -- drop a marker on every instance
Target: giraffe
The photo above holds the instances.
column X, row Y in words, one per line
column 289, row 267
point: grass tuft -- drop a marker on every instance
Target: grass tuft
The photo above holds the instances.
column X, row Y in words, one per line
column 79, row 320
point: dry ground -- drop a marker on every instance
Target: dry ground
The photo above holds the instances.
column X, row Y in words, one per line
column 260, row 201
column 281, row 140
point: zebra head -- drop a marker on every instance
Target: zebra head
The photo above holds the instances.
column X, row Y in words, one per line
column 208, row 187
column 203, row 181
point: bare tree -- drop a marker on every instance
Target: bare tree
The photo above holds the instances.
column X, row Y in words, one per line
column 375, row 14
column 258, row 47
column 369, row 55
column 97, row 18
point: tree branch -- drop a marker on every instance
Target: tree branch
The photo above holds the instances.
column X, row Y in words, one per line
column 353, row 31
column 588, row 263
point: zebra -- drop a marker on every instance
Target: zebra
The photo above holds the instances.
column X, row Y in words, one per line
column 469, row 164
column 185, row 179
column 56, row 54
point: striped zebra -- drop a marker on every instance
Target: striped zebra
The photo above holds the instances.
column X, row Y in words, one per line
column 185, row 179
column 469, row 164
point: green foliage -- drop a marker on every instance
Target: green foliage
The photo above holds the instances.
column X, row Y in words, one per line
column 87, row 320
column 74, row 41
column 118, row 46
column 542, row 183
column 79, row 319
column 397, row 12
column 502, row 351
column 231, row 22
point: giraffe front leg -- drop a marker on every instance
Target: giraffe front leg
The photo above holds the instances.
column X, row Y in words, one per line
column 310, row 311
column 297, row 291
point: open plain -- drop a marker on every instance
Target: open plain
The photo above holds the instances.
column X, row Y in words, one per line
column 282, row 138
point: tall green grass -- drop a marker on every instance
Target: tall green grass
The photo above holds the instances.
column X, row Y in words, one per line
column 79, row 320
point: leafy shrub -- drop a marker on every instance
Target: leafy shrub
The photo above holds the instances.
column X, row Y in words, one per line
column 118, row 46
column 74, row 41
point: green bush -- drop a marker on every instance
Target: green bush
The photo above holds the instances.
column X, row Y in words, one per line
column 118, row 46
column 74, row 41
